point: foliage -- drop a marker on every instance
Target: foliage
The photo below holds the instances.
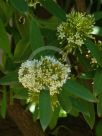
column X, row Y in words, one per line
column 24, row 36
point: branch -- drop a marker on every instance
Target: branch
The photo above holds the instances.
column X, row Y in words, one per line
column 24, row 121
column 81, row 5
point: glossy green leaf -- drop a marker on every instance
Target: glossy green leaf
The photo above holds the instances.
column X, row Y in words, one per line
column 36, row 38
column 99, row 105
column 97, row 82
column 80, row 105
column 55, row 117
column 45, row 109
column 76, row 89
column 99, row 128
column 54, row 9
column 3, row 104
column 90, row 119
column 94, row 50
column 64, row 101
column 20, row 5
column 4, row 41
column 10, row 78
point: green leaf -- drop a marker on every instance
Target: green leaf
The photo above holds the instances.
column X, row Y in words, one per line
column 80, row 105
column 22, row 50
column 54, row 118
column 76, row 89
column 36, row 38
column 10, row 78
column 20, row 93
column 64, row 101
column 4, row 41
column 96, row 53
column 98, row 15
column 97, row 82
column 74, row 112
column 90, row 119
column 99, row 105
column 3, row 104
column 45, row 108
column 22, row 24
column 54, row 9
column 99, row 128
column 51, row 38
column 20, row 5
column 5, row 11
column 50, row 23
column 9, row 64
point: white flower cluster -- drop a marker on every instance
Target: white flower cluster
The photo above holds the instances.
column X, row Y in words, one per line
column 74, row 31
column 46, row 73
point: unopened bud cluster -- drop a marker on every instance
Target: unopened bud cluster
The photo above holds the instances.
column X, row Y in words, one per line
column 75, row 30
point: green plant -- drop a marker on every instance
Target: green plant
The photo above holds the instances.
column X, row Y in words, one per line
column 22, row 32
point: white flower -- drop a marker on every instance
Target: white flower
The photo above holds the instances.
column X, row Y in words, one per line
column 46, row 73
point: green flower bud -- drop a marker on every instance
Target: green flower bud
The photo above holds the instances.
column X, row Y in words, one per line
column 75, row 30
